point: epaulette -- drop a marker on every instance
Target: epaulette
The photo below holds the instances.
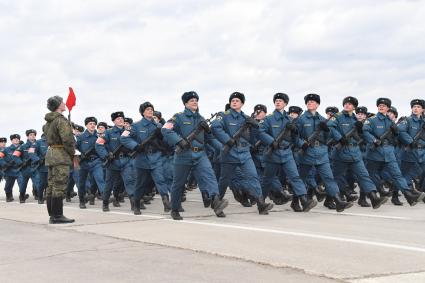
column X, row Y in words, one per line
column 227, row 112
column 338, row 114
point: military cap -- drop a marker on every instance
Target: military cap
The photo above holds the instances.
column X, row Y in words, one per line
column 260, row 107
column 312, row 96
column 352, row 100
column 116, row 115
column 54, row 102
column 30, row 131
column 419, row 102
column 90, row 119
column 282, row 96
column 102, row 124
column 295, row 109
column 128, row 120
column 332, row 109
column 393, row 110
column 385, row 101
column 361, row 109
column 157, row 114
column 145, row 105
column 239, row 95
column 15, row 136
column 3, row 139
column 188, row 95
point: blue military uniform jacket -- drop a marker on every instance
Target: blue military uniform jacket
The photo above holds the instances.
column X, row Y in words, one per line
column 270, row 129
column 112, row 141
column 340, row 125
column 12, row 171
column 408, row 130
column 183, row 124
column 374, row 128
column 318, row 153
column 225, row 127
column 150, row 158
column 41, row 149
column 86, row 144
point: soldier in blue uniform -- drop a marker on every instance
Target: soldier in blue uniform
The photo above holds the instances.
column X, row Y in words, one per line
column 380, row 132
column 412, row 136
column 12, row 173
column 3, row 163
column 41, row 150
column 346, row 155
column 281, row 157
column 238, row 156
column 313, row 134
column 148, row 162
column 191, row 155
column 90, row 162
column 109, row 147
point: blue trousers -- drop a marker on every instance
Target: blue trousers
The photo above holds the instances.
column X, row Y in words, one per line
column 10, row 182
column 325, row 173
column 144, row 178
column 376, row 167
column 96, row 172
column 43, row 183
column 412, row 170
column 358, row 169
column 113, row 177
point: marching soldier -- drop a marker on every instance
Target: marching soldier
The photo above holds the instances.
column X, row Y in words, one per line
column 380, row 132
column 3, row 163
column 59, row 157
column 346, row 131
column 233, row 129
column 41, row 149
column 11, row 170
column 190, row 155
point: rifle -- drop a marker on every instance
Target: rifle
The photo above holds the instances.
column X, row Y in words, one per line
column 25, row 163
column 112, row 155
column 256, row 147
column 195, row 132
column 418, row 136
column 389, row 132
column 353, row 133
column 283, row 135
column 237, row 135
column 150, row 140
column 84, row 156
column 316, row 134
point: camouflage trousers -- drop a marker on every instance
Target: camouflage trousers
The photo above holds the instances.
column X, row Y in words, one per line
column 57, row 180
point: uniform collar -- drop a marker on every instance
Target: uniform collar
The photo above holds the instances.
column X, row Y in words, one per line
column 87, row 133
column 279, row 115
column 190, row 113
column 236, row 114
column 381, row 116
column 310, row 115
column 415, row 118
column 146, row 122
column 116, row 129
column 347, row 114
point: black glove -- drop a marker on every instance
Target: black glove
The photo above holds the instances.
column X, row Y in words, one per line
column 304, row 147
column 394, row 129
column 377, row 143
column 110, row 156
column 158, row 133
column 413, row 145
column 275, row 145
column 140, row 148
column 183, row 144
column 251, row 122
column 204, row 125
column 343, row 141
column 230, row 143
column 359, row 127
column 324, row 126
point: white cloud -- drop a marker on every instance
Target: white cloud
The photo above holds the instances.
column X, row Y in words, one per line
column 117, row 54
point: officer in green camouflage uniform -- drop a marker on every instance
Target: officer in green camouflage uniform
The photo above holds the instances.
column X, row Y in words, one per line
column 59, row 157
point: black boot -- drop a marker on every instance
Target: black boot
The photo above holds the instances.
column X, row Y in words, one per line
column 91, row 199
column 245, row 200
column 116, row 201
column 34, row 194
column 413, row 197
column 375, row 200
column 9, row 197
column 23, row 197
column 166, row 203
column 329, row 203
column 295, row 204
column 263, row 207
column 57, row 212
column 219, row 204
column 348, row 196
column 176, row 215
column 68, row 196
column 137, row 207
column 105, row 206
column 362, row 200
column 82, row 202
column 340, row 204
column 306, row 203
column 320, row 195
column 132, row 203
column 394, row 199
column 206, row 199
column 181, row 209
column 382, row 191
column 237, row 195
column 142, row 204
column 310, row 192
column 49, row 205
column 40, row 198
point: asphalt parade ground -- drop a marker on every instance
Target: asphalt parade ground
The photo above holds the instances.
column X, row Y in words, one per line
column 361, row 245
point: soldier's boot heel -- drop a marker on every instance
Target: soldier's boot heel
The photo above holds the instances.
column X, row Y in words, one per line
column 23, row 197
column 105, row 206
column 376, row 201
column 57, row 212
column 263, row 207
column 176, row 215
column 362, row 200
column 329, row 203
column 218, row 205
column 295, row 204
column 166, row 203
column 340, row 204
column 137, row 207
column 413, row 197
column 306, row 203
column 206, row 199
column 395, row 199
column 82, row 204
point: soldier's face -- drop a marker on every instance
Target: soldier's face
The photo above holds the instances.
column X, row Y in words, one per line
column 392, row 116
column 361, row 116
column 91, row 126
column 119, row 122
column 31, row 137
column 261, row 115
column 148, row 113
column 417, row 110
column 156, row 119
column 62, row 107
column 236, row 104
column 15, row 141
column 349, row 107
column 101, row 129
column 294, row 115
column 279, row 104
column 192, row 104
column 383, row 109
column 2, row 144
column 312, row 105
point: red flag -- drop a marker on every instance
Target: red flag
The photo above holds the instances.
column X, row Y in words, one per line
column 70, row 101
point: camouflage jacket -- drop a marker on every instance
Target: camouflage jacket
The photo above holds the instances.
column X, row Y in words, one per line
column 60, row 139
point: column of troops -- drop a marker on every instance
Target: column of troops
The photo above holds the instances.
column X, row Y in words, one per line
column 291, row 156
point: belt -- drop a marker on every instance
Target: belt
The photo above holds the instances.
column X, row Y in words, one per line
column 92, row 157
column 121, row 155
column 386, row 143
column 316, row 143
column 151, row 150
column 197, row 149
column 57, row 146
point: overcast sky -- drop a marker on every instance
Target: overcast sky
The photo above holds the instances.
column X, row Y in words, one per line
column 118, row 54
